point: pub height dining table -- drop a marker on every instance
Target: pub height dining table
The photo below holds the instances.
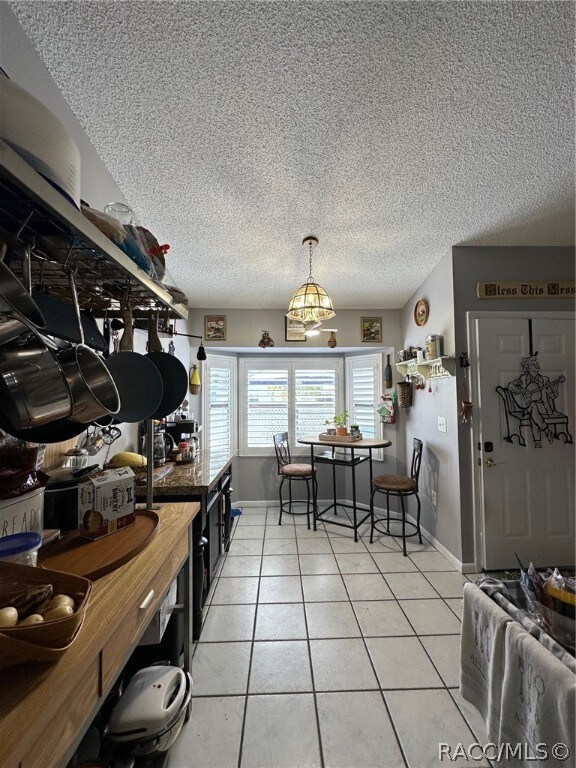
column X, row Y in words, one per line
column 352, row 460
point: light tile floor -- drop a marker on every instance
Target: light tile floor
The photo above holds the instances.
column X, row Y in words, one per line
column 321, row 651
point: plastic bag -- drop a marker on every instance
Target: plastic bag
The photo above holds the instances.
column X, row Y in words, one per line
column 551, row 600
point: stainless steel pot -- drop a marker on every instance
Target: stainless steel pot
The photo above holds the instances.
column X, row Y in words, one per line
column 32, row 383
column 34, row 390
column 94, row 393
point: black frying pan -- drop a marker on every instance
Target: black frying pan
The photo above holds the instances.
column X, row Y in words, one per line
column 60, row 321
column 137, row 379
column 173, row 373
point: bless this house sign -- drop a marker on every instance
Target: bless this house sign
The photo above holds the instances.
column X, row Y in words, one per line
column 527, row 289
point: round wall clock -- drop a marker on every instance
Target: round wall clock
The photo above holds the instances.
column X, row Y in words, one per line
column 421, row 312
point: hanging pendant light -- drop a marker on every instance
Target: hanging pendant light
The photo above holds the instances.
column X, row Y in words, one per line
column 310, row 304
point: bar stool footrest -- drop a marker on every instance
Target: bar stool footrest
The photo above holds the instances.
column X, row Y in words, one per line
column 285, row 508
column 392, row 521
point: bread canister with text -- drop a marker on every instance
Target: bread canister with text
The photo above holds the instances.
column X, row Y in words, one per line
column 433, row 346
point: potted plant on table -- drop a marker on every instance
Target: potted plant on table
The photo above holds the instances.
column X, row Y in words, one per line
column 341, row 422
column 330, row 430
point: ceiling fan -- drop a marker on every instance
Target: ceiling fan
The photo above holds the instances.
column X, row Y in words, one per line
column 314, row 329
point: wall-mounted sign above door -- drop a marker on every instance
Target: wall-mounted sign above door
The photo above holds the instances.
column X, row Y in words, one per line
column 527, row 289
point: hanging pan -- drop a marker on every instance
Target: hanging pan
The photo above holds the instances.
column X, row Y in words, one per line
column 60, row 321
column 138, row 380
column 174, row 374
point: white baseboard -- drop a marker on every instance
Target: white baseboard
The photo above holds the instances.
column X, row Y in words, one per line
column 458, row 564
column 276, row 503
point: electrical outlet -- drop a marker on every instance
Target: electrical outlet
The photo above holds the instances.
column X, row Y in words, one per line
column 433, row 497
column 441, row 424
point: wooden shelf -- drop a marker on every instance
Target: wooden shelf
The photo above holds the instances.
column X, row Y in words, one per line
column 439, row 368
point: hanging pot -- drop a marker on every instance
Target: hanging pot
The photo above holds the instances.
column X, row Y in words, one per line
column 33, row 386
column 93, row 390
column 54, row 432
column 173, row 373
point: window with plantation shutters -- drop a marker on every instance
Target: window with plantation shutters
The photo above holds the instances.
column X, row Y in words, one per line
column 294, row 396
column 364, row 388
column 219, row 405
column 266, row 405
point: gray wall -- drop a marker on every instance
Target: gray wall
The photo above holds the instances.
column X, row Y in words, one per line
column 255, row 477
column 451, row 292
column 473, row 264
column 440, row 469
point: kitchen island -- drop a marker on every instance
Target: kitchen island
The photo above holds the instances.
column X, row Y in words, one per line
column 207, row 481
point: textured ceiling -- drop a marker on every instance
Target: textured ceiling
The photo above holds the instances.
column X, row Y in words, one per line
column 391, row 130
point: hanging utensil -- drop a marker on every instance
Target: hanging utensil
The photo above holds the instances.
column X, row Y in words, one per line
column 16, row 304
column 107, row 334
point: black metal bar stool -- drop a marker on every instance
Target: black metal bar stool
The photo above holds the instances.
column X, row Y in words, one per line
column 400, row 486
column 289, row 471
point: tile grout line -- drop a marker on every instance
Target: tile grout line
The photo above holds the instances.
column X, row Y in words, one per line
column 244, row 714
column 380, row 690
column 315, row 698
column 351, row 602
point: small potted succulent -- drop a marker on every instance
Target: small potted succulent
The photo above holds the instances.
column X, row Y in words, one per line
column 341, row 422
column 330, row 430
column 354, row 429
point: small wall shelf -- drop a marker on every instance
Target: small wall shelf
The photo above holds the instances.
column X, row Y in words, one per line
column 439, row 368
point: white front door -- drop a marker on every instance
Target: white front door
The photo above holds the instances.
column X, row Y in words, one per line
column 525, row 454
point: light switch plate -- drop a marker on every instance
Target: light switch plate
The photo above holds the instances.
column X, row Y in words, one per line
column 441, row 424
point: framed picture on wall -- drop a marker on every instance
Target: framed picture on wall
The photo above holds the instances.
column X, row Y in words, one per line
column 294, row 330
column 371, row 329
column 215, row 327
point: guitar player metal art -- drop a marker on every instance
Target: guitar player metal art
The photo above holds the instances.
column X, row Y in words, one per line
column 530, row 400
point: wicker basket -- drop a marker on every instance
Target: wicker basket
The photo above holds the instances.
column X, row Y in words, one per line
column 48, row 640
column 404, row 389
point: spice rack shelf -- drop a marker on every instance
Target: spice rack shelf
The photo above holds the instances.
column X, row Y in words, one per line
column 32, row 211
column 439, row 368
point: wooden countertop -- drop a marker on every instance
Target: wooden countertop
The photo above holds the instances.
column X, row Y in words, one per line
column 196, row 479
column 44, row 707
